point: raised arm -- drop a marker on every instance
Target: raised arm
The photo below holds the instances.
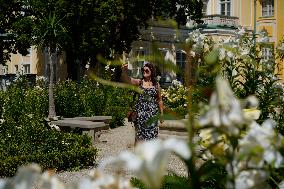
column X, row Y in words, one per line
column 126, row 78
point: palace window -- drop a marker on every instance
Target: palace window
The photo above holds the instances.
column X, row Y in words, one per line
column 204, row 9
column 267, row 8
column 225, row 7
column 4, row 70
column 180, row 62
column 26, row 69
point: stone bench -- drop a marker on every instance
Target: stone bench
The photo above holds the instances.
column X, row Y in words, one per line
column 174, row 125
column 87, row 127
column 105, row 119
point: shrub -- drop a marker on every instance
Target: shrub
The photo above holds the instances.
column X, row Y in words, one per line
column 24, row 137
column 117, row 104
column 250, row 73
column 175, row 98
column 67, row 100
column 30, row 141
column 88, row 98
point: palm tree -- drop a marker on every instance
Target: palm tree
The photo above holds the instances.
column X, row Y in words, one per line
column 49, row 34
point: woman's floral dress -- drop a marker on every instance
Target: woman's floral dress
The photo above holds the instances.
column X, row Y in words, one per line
column 147, row 108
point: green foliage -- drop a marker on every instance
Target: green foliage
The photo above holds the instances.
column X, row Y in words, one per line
column 276, row 177
column 103, row 27
column 252, row 74
column 175, row 98
column 213, row 180
column 137, row 183
column 169, row 182
column 88, row 98
column 67, row 99
column 117, row 104
column 15, row 28
column 213, row 176
column 188, row 9
column 24, row 137
column 20, row 100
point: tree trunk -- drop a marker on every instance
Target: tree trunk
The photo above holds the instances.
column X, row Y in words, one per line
column 51, row 105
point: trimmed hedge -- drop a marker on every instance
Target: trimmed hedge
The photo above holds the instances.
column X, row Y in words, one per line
column 25, row 137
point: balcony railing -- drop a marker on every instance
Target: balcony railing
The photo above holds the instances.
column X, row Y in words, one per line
column 221, row 20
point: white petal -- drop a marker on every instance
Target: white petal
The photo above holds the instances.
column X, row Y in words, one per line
column 180, row 147
column 133, row 162
column 269, row 156
column 281, row 185
column 279, row 160
column 128, row 159
column 149, row 149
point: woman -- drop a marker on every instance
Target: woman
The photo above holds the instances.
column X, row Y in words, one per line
column 149, row 103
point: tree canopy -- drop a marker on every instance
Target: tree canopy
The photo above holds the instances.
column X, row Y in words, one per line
column 93, row 26
column 15, row 30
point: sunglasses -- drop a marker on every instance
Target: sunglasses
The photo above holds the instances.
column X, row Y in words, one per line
column 146, row 70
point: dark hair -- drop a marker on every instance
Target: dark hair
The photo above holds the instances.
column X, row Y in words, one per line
column 153, row 72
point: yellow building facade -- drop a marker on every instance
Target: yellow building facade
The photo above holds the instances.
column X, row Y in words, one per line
column 35, row 62
column 254, row 15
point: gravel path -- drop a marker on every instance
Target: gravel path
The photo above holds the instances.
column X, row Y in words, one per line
column 111, row 143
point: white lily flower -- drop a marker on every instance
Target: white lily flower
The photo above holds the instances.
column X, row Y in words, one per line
column 225, row 110
column 197, row 48
column 49, row 181
column 230, row 54
column 264, row 39
column 107, row 67
column 176, row 82
column 241, row 31
column 206, row 47
column 245, row 178
column 197, row 40
column 149, row 162
column 265, row 140
column 169, row 56
column 251, row 179
column 251, row 114
column 234, row 73
column 158, row 78
column 98, row 180
column 25, row 178
column 228, row 40
column 245, row 51
column 87, row 66
column 177, row 146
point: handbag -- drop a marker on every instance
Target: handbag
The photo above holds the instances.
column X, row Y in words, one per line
column 132, row 114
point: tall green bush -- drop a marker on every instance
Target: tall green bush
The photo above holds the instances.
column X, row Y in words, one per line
column 26, row 138
column 89, row 98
